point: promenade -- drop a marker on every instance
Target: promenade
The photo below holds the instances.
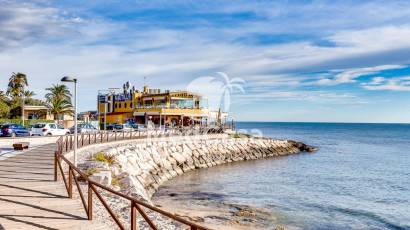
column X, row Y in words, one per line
column 31, row 199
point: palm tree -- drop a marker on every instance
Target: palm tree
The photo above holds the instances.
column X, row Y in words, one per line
column 229, row 85
column 3, row 97
column 59, row 100
column 4, row 107
column 15, row 88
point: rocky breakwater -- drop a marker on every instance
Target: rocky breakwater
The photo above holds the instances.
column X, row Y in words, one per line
column 139, row 167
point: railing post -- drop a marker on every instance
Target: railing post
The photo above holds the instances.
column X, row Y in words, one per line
column 90, row 202
column 89, row 138
column 133, row 216
column 115, row 136
column 70, row 182
column 55, row 165
column 71, row 142
column 101, row 136
column 66, row 144
column 82, row 139
column 108, row 136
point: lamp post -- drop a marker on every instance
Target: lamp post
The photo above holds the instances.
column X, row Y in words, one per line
column 74, row 80
column 22, row 105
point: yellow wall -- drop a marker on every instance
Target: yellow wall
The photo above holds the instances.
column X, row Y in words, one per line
column 117, row 118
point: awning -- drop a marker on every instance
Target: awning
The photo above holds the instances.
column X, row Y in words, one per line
column 143, row 113
column 153, row 98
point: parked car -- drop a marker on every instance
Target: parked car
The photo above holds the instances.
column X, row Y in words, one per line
column 124, row 127
column 48, row 129
column 13, row 130
column 84, row 128
column 110, row 127
column 138, row 127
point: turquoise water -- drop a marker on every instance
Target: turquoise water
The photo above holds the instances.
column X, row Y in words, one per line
column 359, row 178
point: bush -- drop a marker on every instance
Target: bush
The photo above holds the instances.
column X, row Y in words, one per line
column 27, row 123
column 103, row 157
column 115, row 181
column 91, row 171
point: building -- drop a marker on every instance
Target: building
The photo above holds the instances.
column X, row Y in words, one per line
column 35, row 112
column 40, row 112
column 88, row 116
column 152, row 107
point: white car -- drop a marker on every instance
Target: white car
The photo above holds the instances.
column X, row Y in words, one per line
column 48, row 129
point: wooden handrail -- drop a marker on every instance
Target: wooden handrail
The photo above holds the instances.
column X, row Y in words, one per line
column 135, row 204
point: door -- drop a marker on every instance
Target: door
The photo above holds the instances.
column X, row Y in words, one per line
column 61, row 130
column 53, row 129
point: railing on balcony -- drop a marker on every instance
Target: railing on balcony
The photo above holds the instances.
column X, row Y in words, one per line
column 76, row 176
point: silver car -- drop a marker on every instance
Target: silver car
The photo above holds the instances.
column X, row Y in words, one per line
column 84, row 128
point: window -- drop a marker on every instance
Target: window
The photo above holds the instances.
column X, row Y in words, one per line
column 115, row 105
column 52, row 126
column 130, row 104
column 119, row 105
column 39, row 126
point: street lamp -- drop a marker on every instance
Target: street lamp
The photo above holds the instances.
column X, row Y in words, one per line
column 74, row 80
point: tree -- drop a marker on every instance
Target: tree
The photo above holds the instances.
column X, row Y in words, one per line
column 15, row 89
column 59, row 100
column 4, row 109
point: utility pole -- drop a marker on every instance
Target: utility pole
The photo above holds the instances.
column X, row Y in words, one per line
column 22, row 105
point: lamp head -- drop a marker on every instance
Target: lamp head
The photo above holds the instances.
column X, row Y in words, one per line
column 68, row 79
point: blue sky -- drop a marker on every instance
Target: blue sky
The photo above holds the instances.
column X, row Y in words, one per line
column 342, row 61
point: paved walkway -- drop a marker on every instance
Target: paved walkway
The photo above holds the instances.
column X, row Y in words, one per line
column 31, row 199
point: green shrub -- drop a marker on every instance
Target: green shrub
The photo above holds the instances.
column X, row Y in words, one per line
column 115, row 181
column 103, row 157
column 27, row 123
column 91, row 171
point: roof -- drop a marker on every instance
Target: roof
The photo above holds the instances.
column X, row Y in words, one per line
column 36, row 107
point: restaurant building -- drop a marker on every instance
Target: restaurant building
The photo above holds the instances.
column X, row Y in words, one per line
column 152, row 107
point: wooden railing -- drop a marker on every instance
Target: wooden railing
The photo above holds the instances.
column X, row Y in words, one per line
column 66, row 144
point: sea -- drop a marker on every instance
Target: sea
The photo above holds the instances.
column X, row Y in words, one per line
column 358, row 179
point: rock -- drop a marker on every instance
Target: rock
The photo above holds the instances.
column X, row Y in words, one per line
column 102, row 177
column 302, row 147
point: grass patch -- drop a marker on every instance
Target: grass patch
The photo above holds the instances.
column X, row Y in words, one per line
column 103, row 157
column 240, row 135
column 115, row 181
column 91, row 171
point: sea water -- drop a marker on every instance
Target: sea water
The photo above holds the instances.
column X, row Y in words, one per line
column 358, row 179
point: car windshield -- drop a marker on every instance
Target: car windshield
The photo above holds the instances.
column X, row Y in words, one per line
column 5, row 126
column 39, row 126
column 118, row 126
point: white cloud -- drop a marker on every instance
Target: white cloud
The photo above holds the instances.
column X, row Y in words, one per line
column 350, row 76
column 103, row 52
column 392, row 84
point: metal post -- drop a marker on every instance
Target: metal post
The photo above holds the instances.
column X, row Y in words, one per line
column 105, row 115
column 75, row 122
column 22, row 106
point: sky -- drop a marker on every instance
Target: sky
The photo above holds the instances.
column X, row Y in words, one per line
column 327, row 61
